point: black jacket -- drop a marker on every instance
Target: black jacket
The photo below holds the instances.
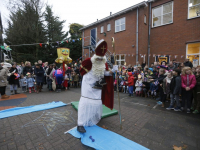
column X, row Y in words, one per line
column 160, row 78
column 175, row 85
column 12, row 78
column 39, row 72
column 189, row 64
column 27, row 69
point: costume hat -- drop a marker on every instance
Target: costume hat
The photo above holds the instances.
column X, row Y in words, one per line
column 101, row 48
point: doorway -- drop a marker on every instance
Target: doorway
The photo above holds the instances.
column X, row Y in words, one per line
column 193, row 53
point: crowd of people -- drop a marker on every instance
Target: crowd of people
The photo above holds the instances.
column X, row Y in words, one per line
column 32, row 78
column 177, row 82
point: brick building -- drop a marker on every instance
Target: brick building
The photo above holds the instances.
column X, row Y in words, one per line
column 149, row 31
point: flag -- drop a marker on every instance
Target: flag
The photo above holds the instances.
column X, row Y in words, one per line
column 40, row 44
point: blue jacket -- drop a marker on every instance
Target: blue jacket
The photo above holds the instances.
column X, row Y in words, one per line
column 23, row 82
column 30, row 82
column 39, row 72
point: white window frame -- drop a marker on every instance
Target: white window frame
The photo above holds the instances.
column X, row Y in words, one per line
column 108, row 29
column 193, row 53
column 120, row 24
column 163, row 14
column 120, row 60
column 102, row 29
column 189, row 9
column 145, row 19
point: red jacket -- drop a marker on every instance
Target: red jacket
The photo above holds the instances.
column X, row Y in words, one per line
column 130, row 79
column 192, row 81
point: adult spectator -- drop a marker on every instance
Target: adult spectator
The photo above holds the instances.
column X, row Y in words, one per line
column 39, row 72
column 187, row 63
column 129, row 69
column 3, row 80
column 27, row 68
column 143, row 64
column 175, row 63
column 13, row 80
column 171, row 66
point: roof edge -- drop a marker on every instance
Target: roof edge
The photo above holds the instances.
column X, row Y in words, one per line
column 115, row 14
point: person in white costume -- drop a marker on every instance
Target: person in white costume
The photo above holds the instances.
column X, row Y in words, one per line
column 90, row 104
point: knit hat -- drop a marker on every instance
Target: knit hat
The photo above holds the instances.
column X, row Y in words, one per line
column 151, row 69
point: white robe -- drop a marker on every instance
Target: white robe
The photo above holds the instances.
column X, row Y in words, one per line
column 90, row 104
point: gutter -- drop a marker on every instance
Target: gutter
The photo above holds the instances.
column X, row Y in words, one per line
column 137, row 38
column 149, row 31
column 116, row 14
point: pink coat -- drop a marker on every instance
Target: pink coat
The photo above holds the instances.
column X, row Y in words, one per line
column 192, row 81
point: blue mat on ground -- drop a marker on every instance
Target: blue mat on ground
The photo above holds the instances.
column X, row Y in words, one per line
column 105, row 139
column 28, row 109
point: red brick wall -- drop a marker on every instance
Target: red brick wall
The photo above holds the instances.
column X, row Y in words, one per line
column 172, row 38
column 125, row 39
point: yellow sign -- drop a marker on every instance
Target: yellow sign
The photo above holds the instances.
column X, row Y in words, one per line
column 63, row 55
column 160, row 59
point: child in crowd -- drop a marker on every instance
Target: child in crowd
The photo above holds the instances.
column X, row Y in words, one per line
column 138, row 86
column 65, row 84
column 166, row 87
column 175, row 90
column 196, row 92
column 76, row 79
column 58, row 75
column 30, row 83
column 153, row 89
column 130, row 83
column 188, row 82
column 23, row 83
column 125, row 85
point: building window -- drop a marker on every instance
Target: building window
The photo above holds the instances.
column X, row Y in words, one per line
column 193, row 53
column 102, row 29
column 193, row 8
column 120, row 59
column 162, row 15
column 108, row 27
column 120, row 24
column 145, row 19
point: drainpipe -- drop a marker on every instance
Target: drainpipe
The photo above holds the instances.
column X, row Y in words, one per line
column 149, row 32
column 83, row 45
column 137, row 38
column 89, row 52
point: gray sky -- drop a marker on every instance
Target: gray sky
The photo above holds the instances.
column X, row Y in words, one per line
column 79, row 11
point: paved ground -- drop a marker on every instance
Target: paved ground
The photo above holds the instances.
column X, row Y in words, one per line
column 143, row 122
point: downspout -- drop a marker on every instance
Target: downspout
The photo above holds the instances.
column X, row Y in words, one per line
column 89, row 52
column 83, row 45
column 137, row 37
column 149, row 33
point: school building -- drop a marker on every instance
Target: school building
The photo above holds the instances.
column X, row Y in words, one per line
column 148, row 31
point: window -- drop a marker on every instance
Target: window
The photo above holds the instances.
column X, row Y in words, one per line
column 120, row 59
column 102, row 29
column 108, row 27
column 120, row 25
column 162, row 15
column 193, row 53
column 145, row 19
column 193, row 8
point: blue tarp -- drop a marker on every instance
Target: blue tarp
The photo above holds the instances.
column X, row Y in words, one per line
column 105, row 139
column 24, row 110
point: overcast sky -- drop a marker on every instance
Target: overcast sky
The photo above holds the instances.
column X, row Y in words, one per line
column 79, row 11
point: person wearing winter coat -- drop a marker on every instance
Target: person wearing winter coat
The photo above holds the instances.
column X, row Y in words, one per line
column 175, row 91
column 39, row 72
column 23, row 83
column 27, row 69
column 187, row 63
column 188, row 82
column 49, row 74
column 30, row 83
column 130, row 83
column 166, row 86
column 138, row 86
column 3, row 82
column 13, row 79
column 196, row 92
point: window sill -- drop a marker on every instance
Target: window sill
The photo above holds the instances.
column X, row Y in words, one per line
column 109, row 31
column 163, row 25
column 193, row 18
column 120, row 31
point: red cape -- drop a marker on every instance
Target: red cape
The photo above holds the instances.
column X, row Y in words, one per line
column 108, row 89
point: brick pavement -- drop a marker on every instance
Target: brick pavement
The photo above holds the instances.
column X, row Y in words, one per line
column 153, row 128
